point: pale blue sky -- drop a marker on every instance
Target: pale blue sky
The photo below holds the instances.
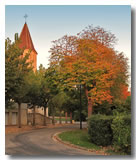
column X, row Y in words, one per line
column 48, row 23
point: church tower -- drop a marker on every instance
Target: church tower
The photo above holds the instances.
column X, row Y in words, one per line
column 27, row 44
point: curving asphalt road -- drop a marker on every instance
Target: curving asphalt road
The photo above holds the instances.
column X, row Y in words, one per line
column 40, row 142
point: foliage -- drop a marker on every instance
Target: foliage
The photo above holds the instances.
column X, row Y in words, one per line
column 73, row 102
column 121, row 127
column 99, row 129
column 76, row 115
column 39, row 92
column 128, row 104
column 33, row 82
column 53, row 81
column 60, row 99
column 90, row 59
column 63, row 97
column 117, row 105
column 16, row 70
column 81, row 138
column 122, row 106
column 99, row 35
column 105, row 108
column 107, row 130
column 56, row 103
column 126, row 93
column 44, row 90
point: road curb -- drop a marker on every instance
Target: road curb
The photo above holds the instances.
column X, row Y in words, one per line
column 56, row 138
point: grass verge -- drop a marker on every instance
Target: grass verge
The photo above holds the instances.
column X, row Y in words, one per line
column 78, row 137
column 81, row 138
column 62, row 119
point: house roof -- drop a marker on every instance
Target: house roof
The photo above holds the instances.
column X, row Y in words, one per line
column 26, row 40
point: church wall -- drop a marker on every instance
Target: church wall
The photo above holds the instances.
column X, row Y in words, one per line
column 32, row 58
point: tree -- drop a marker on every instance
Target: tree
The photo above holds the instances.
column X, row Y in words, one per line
column 52, row 106
column 93, row 63
column 98, row 35
column 32, row 96
column 44, row 90
column 59, row 101
column 125, row 91
column 63, row 46
column 16, row 70
column 72, row 103
column 53, row 80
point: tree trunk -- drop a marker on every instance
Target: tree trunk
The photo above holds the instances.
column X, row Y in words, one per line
column 19, row 115
column 53, row 121
column 60, row 118
column 90, row 107
column 66, row 116
column 34, row 115
column 71, row 117
column 45, row 124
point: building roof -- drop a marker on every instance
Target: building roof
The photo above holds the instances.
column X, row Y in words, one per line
column 26, row 40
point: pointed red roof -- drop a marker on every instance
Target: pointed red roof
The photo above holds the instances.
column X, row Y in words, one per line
column 26, row 40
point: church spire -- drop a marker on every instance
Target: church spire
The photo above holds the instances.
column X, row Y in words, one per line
column 27, row 44
column 26, row 40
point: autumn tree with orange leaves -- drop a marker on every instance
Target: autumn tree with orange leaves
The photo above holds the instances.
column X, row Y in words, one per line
column 89, row 59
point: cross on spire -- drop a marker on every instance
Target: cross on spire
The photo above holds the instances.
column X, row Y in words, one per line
column 25, row 16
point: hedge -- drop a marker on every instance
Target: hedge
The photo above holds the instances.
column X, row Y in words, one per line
column 121, row 126
column 111, row 130
column 99, row 129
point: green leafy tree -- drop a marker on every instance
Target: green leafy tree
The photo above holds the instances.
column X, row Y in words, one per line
column 16, row 70
column 44, row 90
column 59, row 101
column 34, row 85
column 53, row 80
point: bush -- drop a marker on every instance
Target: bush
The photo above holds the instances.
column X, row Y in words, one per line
column 121, row 127
column 105, row 109
column 76, row 115
column 99, row 129
column 122, row 106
